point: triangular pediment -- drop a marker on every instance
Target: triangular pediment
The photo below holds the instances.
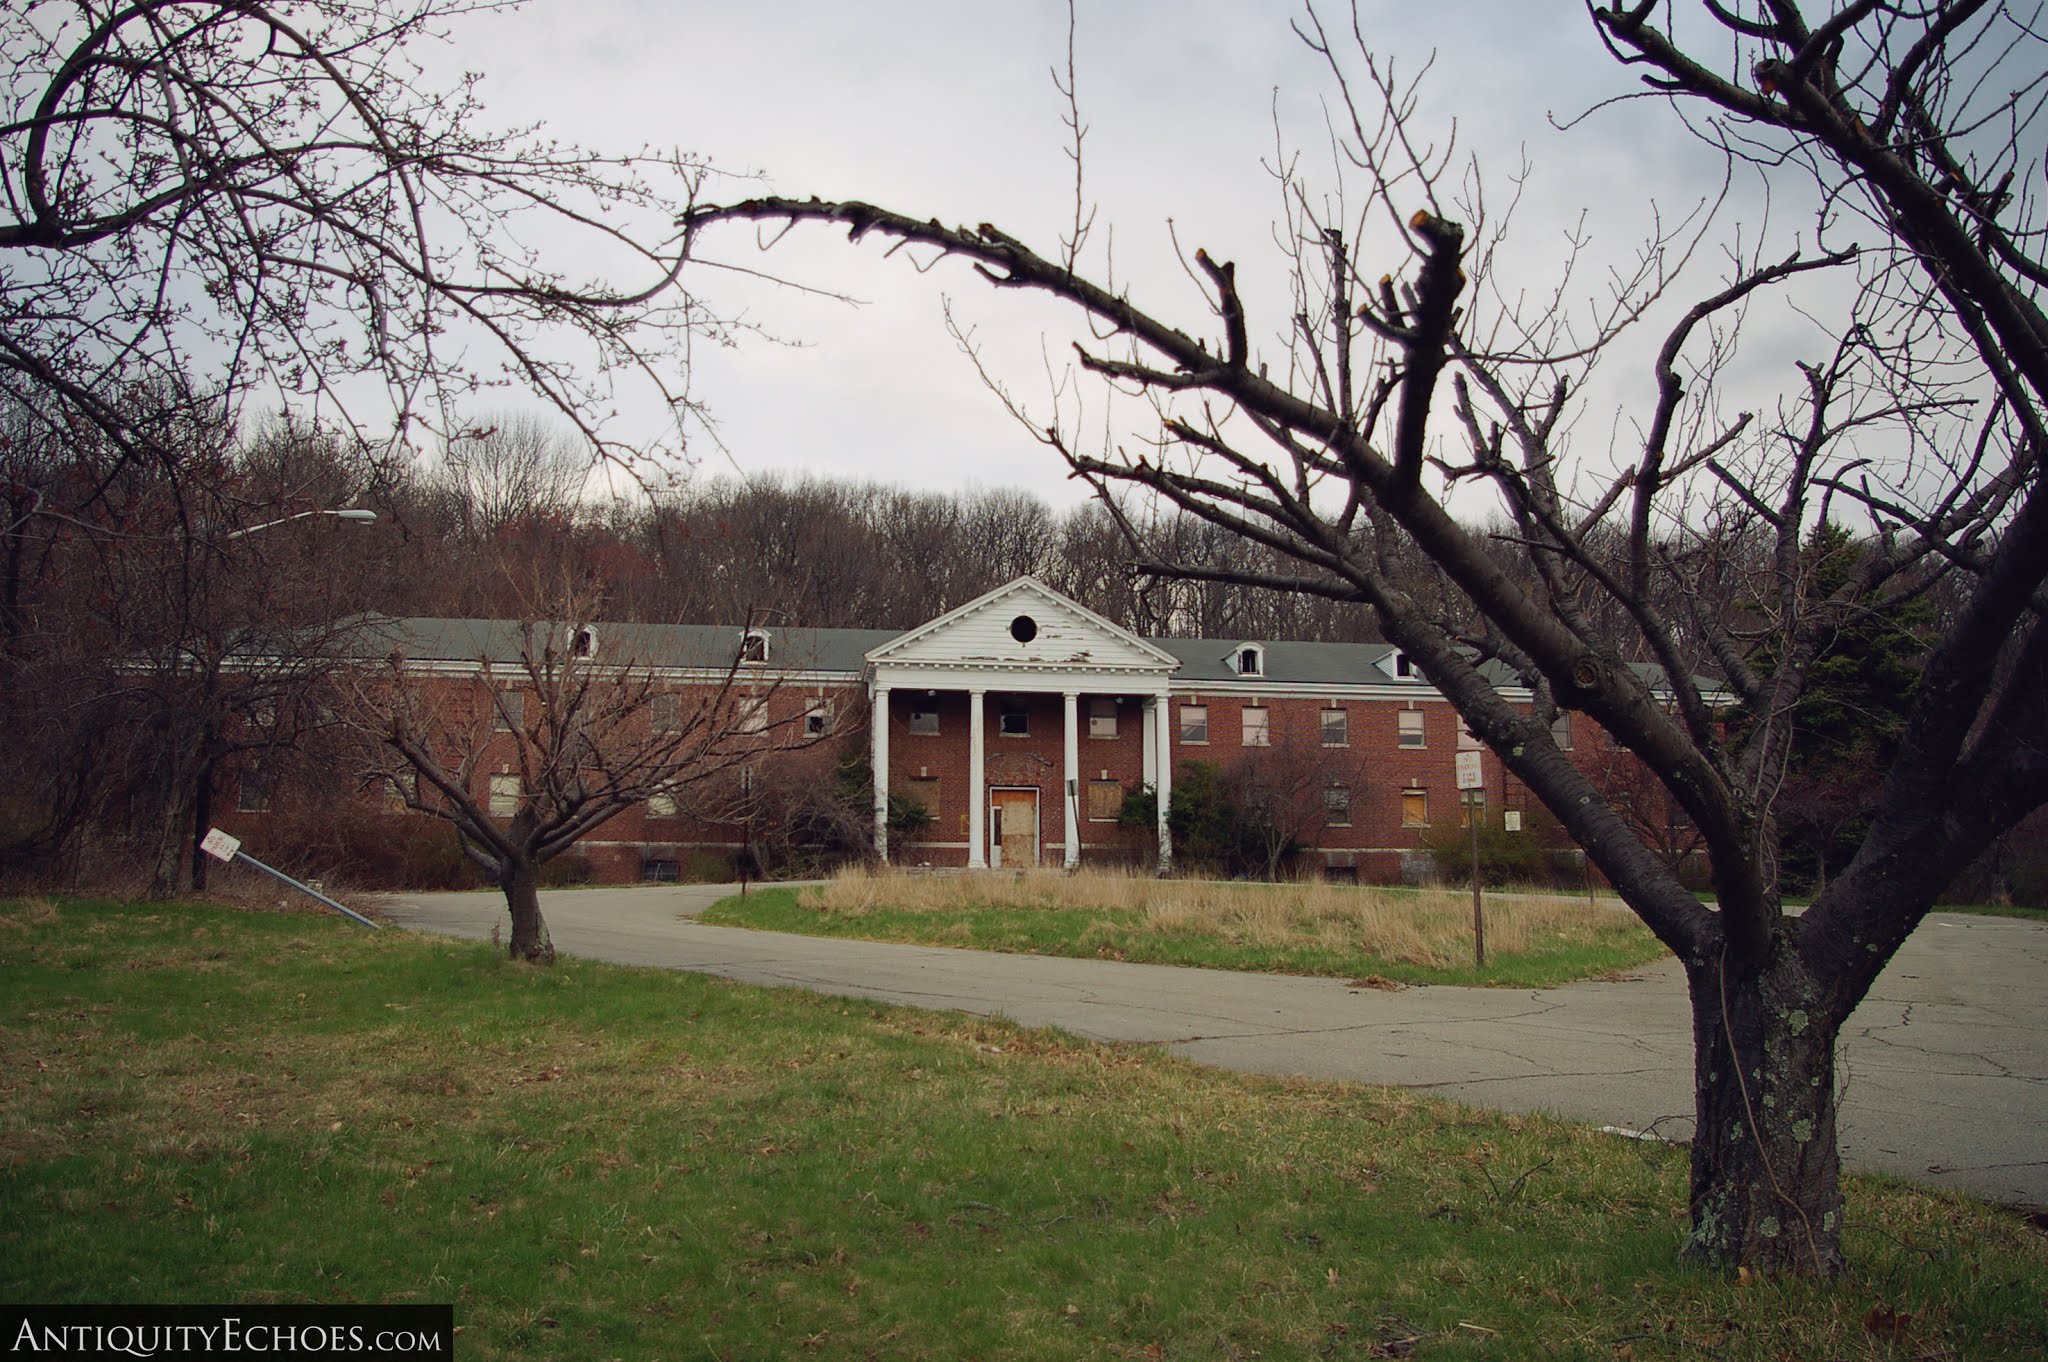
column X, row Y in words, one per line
column 1025, row 624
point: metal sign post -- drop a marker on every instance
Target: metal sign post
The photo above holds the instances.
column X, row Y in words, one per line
column 1472, row 791
column 222, row 847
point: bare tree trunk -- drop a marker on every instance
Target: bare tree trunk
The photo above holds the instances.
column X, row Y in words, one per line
column 1766, row 1174
column 202, row 820
column 168, row 878
column 530, row 940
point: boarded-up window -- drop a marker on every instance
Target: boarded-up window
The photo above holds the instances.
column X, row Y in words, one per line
column 1471, row 803
column 924, row 722
column 1467, row 740
column 1102, row 716
column 1194, row 723
column 1410, row 721
column 1336, row 728
column 664, row 713
column 510, row 711
column 1337, row 806
column 925, row 790
column 1414, row 808
column 1258, row 727
column 504, row 795
column 1105, row 800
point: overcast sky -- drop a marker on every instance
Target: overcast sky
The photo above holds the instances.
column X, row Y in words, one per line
column 947, row 109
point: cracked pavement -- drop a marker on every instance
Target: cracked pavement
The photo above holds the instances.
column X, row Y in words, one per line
column 1943, row 1069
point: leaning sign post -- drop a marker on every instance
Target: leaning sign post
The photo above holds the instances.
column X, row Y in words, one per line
column 225, row 848
column 1471, row 788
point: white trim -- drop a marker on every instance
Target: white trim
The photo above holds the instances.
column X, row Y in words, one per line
column 1022, row 584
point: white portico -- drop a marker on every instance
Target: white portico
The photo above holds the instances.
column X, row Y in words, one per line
column 1021, row 640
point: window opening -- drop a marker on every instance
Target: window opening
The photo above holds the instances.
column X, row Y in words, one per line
column 1105, row 800
column 1336, row 728
column 1258, row 726
column 1411, row 728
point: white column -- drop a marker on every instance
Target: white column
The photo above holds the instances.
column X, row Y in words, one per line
column 1162, row 715
column 977, row 784
column 1071, row 790
column 1148, row 764
column 878, row 749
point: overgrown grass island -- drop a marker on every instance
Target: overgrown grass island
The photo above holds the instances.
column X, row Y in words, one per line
column 1307, row 927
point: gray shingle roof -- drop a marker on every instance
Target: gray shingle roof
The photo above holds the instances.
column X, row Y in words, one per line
column 844, row 651
column 686, row 646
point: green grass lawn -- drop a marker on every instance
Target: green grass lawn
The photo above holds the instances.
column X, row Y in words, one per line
column 591, row 1162
column 1252, row 928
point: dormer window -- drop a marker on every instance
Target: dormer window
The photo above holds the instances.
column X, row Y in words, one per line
column 1404, row 666
column 582, row 641
column 1250, row 660
column 754, row 647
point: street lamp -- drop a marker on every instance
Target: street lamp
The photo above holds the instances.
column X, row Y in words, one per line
column 353, row 513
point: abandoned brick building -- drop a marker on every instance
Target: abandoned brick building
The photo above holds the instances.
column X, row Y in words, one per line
column 1022, row 722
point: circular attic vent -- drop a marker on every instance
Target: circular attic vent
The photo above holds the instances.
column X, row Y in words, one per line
column 1023, row 628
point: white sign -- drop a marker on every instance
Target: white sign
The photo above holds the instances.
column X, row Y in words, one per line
column 1513, row 819
column 219, row 845
column 1469, row 775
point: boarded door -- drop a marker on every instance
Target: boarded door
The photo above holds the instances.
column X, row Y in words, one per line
column 1013, row 827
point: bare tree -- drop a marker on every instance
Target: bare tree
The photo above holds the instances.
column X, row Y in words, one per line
column 1293, row 789
column 530, row 752
column 508, row 468
column 205, row 199
column 1402, row 371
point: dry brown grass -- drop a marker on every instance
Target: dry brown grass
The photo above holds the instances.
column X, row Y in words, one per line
column 1430, row 928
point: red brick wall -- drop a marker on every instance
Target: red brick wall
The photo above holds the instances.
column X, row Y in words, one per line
column 1372, row 762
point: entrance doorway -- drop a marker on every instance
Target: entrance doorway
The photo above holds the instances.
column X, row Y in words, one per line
column 1013, row 829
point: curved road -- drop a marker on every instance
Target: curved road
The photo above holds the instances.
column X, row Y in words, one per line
column 1944, row 1069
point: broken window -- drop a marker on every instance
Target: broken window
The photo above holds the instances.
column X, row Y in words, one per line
column 253, row 794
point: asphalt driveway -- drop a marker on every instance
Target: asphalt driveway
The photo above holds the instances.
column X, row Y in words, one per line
column 1944, row 1068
